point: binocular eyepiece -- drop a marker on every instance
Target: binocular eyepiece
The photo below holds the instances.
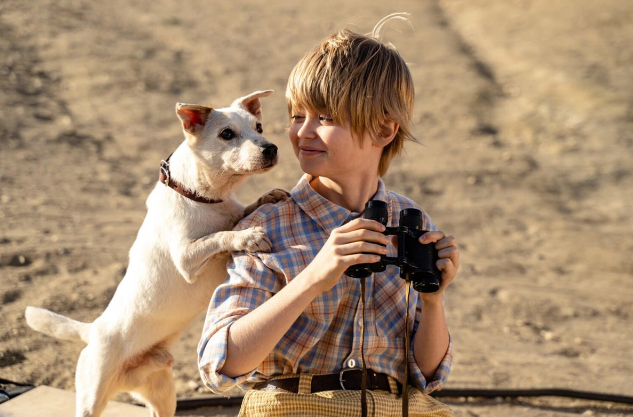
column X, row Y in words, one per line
column 416, row 261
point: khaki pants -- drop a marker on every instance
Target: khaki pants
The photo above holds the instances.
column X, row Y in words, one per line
column 338, row 403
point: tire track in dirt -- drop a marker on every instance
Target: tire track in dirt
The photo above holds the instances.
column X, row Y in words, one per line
column 487, row 97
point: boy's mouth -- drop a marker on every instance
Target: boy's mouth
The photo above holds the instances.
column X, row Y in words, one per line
column 308, row 151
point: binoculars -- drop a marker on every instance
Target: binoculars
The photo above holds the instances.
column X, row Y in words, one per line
column 417, row 261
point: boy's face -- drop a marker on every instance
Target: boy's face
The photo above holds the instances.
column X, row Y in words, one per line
column 327, row 149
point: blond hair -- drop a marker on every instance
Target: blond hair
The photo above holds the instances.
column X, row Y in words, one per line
column 357, row 79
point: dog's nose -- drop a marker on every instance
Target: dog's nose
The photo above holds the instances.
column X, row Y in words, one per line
column 270, row 151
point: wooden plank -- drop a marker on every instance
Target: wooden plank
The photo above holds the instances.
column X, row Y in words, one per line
column 54, row 402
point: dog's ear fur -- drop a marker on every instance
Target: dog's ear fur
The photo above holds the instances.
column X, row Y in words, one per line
column 193, row 117
column 251, row 102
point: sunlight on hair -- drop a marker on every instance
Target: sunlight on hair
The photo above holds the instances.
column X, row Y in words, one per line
column 376, row 32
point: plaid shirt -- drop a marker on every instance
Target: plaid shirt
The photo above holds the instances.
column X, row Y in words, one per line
column 326, row 336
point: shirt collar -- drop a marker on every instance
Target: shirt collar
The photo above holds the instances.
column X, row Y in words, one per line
column 324, row 212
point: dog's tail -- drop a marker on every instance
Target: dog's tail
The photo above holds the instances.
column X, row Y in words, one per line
column 56, row 325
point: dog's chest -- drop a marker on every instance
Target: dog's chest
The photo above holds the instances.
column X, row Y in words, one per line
column 209, row 220
column 169, row 214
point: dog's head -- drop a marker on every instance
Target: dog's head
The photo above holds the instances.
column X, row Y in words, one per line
column 229, row 140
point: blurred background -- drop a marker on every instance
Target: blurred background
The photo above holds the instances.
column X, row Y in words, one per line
column 524, row 111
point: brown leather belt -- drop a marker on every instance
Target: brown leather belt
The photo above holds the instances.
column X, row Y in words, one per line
column 347, row 379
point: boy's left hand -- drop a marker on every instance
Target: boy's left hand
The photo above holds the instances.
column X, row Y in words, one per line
column 448, row 261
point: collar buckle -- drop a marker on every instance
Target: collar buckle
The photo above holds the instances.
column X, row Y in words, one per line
column 164, row 169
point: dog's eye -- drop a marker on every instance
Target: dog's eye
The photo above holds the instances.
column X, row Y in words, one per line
column 227, row 134
column 259, row 128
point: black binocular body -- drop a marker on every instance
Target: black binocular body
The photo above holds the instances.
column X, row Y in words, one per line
column 417, row 261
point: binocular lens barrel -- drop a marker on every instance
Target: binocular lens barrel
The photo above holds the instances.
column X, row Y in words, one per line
column 422, row 269
column 412, row 218
column 377, row 210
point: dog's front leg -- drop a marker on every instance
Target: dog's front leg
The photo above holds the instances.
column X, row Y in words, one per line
column 191, row 257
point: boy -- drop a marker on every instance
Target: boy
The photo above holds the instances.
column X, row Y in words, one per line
column 289, row 323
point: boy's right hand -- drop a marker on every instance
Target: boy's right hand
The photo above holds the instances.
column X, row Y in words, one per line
column 359, row 241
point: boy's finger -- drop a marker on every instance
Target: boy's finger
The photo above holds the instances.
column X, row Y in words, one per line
column 342, row 237
column 362, row 258
column 364, row 247
column 446, row 267
column 430, row 237
column 448, row 241
column 361, row 223
column 450, row 253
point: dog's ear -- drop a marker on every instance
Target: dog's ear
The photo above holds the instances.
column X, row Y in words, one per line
column 193, row 116
column 251, row 102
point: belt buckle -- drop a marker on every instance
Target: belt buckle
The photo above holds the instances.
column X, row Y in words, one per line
column 342, row 373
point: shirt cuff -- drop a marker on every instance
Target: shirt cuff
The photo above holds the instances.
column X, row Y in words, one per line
column 211, row 359
column 441, row 374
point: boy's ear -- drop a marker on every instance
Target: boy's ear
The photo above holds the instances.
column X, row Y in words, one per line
column 193, row 117
column 251, row 103
column 388, row 130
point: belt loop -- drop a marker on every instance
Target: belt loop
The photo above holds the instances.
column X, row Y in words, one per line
column 393, row 385
column 305, row 384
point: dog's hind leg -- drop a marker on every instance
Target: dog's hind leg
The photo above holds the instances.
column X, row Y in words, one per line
column 136, row 370
column 159, row 393
column 94, row 379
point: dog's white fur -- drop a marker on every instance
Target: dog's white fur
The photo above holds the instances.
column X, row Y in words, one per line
column 178, row 259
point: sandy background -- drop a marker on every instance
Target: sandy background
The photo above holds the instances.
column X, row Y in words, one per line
column 525, row 109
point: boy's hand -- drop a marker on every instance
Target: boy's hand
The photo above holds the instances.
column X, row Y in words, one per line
column 448, row 261
column 356, row 242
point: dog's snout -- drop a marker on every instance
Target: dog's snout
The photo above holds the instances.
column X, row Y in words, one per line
column 269, row 151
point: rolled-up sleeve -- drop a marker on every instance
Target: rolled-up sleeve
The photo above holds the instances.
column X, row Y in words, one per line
column 249, row 285
column 441, row 374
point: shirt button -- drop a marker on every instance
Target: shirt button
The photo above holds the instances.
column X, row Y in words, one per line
column 360, row 322
column 351, row 363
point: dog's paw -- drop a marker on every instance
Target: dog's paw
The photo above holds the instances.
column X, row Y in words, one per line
column 270, row 197
column 273, row 196
column 253, row 240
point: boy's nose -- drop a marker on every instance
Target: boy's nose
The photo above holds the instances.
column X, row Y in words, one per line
column 307, row 129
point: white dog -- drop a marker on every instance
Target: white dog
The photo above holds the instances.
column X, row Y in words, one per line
column 178, row 259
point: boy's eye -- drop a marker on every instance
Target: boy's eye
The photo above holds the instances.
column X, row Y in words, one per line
column 297, row 117
column 259, row 128
column 325, row 118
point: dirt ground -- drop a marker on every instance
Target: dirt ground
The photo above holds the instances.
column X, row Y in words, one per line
column 524, row 108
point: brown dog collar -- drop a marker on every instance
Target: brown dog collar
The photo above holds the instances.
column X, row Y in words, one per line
column 165, row 178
